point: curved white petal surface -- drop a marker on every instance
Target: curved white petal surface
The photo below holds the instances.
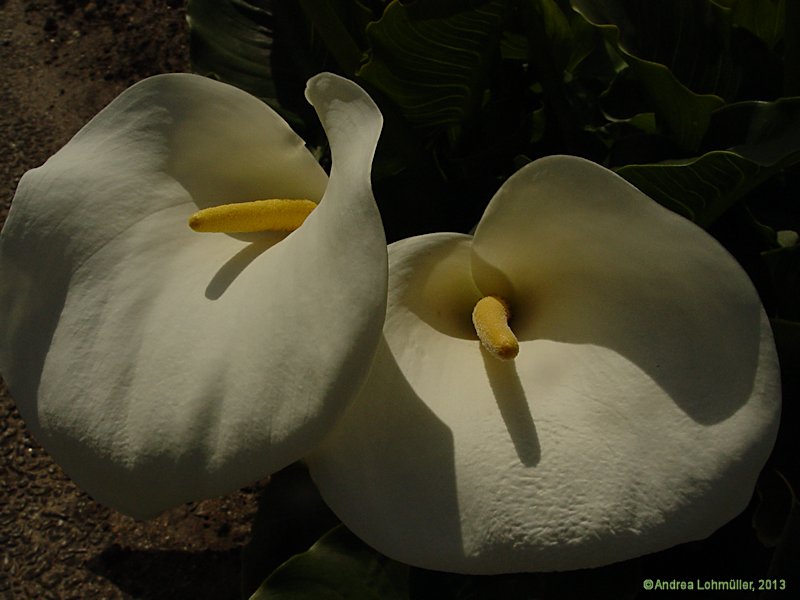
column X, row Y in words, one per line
column 596, row 444
column 159, row 365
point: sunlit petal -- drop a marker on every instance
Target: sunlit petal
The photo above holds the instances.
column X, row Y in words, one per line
column 637, row 415
column 159, row 365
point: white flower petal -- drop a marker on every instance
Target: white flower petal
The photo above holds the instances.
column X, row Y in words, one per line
column 596, row 444
column 586, row 258
column 387, row 468
column 159, row 365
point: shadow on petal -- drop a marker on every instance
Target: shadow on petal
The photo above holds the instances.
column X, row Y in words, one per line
column 441, row 291
column 34, row 300
column 388, row 466
column 594, row 261
column 514, row 409
column 228, row 272
column 702, row 350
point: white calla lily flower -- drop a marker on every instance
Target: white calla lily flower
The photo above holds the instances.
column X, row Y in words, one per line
column 637, row 414
column 159, row 365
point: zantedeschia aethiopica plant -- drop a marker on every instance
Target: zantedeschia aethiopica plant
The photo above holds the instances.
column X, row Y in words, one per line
column 157, row 364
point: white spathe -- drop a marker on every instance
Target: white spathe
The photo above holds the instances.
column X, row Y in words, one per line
column 158, row 365
column 643, row 404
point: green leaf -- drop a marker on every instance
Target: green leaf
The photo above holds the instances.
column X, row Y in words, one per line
column 787, row 335
column 763, row 18
column 291, row 516
column 775, row 502
column 432, row 58
column 791, row 49
column 693, row 39
column 355, row 15
column 782, row 526
column 688, row 57
column 231, row 40
column 787, row 555
column 338, row 567
column 298, row 54
column 784, row 268
column 554, row 37
column 334, row 34
column 766, row 133
column 701, row 188
column 624, row 98
column 270, row 49
column 588, row 57
column 681, row 69
column 759, row 139
column 514, row 46
column 787, row 341
column 551, row 43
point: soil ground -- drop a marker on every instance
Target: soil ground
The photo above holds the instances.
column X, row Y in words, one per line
column 61, row 61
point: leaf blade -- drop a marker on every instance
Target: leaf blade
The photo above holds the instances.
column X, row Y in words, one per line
column 338, row 567
column 432, row 63
column 231, row 40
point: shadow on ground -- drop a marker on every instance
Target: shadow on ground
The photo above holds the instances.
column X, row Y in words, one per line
column 173, row 574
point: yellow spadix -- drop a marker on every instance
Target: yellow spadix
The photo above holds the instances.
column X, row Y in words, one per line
column 259, row 215
column 490, row 318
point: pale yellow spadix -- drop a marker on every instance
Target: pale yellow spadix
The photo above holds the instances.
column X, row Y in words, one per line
column 490, row 318
column 247, row 217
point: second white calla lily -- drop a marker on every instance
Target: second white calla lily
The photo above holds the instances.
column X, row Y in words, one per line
column 159, row 365
column 642, row 404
